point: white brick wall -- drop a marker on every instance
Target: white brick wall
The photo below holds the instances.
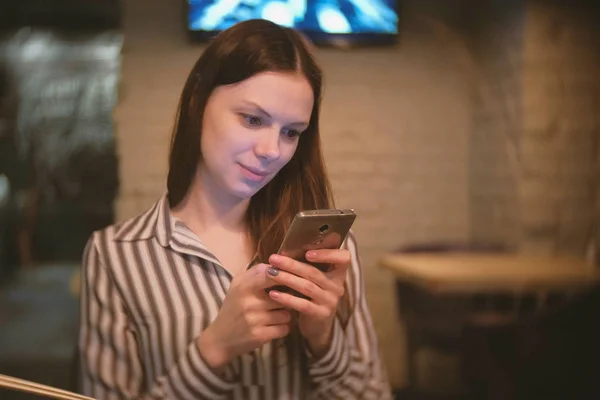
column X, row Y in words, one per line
column 497, row 64
column 397, row 119
column 535, row 134
column 560, row 129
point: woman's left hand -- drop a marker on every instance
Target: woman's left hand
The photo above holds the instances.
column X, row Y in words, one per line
column 323, row 289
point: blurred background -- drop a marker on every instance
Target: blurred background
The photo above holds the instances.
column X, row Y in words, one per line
column 452, row 127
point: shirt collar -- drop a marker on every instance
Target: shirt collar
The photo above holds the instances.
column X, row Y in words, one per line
column 157, row 223
column 169, row 232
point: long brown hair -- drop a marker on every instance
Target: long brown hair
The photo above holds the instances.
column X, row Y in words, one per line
column 236, row 54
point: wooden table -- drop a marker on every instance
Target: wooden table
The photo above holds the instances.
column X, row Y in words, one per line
column 488, row 272
column 437, row 291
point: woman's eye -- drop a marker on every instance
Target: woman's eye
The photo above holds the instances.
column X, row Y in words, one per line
column 252, row 120
column 291, row 134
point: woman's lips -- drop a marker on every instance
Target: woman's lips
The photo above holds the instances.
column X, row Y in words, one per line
column 254, row 175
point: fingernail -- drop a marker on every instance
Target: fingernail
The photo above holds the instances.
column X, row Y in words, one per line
column 273, row 271
column 311, row 254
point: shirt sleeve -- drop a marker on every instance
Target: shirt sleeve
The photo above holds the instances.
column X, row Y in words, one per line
column 111, row 366
column 352, row 367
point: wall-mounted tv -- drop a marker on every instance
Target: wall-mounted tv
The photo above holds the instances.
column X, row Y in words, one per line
column 333, row 22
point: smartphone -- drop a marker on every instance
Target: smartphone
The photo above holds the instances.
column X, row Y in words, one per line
column 313, row 230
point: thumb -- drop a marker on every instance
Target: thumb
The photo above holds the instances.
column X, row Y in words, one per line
column 256, row 278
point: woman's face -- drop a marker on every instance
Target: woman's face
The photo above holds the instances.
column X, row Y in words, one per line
column 251, row 130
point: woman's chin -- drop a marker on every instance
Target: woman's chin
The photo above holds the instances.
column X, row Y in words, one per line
column 244, row 191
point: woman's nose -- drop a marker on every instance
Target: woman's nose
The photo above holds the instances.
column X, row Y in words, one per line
column 267, row 146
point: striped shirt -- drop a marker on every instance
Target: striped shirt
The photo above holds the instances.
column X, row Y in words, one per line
column 150, row 287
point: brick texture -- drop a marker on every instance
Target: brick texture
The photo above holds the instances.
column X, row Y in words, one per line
column 561, row 130
column 495, row 42
column 534, row 144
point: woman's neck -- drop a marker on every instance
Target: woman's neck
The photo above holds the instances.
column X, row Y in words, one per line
column 206, row 208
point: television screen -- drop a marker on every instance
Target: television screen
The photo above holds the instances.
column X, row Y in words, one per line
column 318, row 19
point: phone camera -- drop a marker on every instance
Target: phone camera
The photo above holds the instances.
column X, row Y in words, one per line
column 323, row 228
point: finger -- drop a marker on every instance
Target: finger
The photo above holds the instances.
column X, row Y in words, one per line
column 264, row 303
column 258, row 299
column 272, row 332
column 329, row 256
column 301, row 305
column 303, row 270
column 256, row 279
column 277, row 317
column 305, row 286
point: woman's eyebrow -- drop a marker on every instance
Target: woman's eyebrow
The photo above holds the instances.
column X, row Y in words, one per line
column 259, row 108
column 266, row 114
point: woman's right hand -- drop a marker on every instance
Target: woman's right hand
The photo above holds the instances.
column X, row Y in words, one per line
column 247, row 320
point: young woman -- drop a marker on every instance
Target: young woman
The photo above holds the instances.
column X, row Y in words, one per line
column 174, row 303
